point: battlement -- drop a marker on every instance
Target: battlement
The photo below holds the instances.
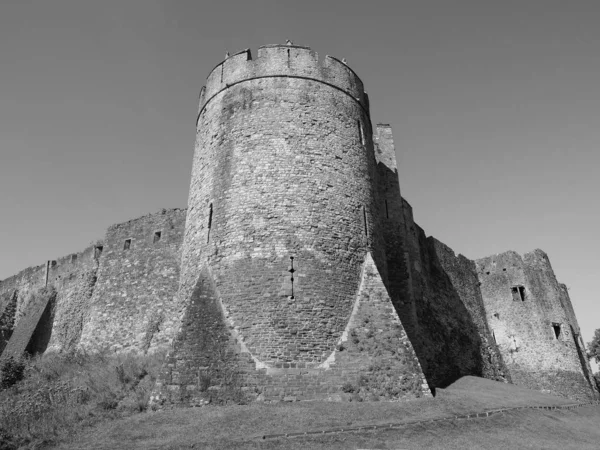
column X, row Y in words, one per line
column 287, row 61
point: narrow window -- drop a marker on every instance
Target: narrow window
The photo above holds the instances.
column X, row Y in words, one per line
column 127, row 244
column 221, row 73
column 291, row 271
column 98, row 251
column 365, row 223
column 210, row 213
column 288, row 57
column 556, row 328
column 361, row 132
column 387, row 213
column 73, row 258
column 494, row 337
column 157, row 235
column 518, row 293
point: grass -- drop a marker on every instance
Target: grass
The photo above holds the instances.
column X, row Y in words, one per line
column 59, row 395
column 78, row 401
column 238, row 427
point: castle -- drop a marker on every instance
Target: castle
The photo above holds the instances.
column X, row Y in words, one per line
column 297, row 270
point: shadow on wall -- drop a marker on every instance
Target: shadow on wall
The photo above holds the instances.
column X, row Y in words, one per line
column 438, row 300
column 43, row 331
column 450, row 341
column 582, row 359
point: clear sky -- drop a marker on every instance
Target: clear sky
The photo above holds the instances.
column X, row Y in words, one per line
column 495, row 108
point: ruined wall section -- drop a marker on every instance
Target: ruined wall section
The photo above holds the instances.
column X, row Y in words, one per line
column 16, row 300
column 48, row 325
column 132, row 307
column 265, row 124
column 525, row 310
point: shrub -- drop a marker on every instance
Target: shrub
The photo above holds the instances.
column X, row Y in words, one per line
column 12, row 371
column 348, row 387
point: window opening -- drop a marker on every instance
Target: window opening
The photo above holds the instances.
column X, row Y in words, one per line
column 157, row 236
column 494, row 337
column 291, row 271
column 361, row 132
column 127, row 244
column 557, row 330
column 210, row 213
column 221, row 73
column 387, row 212
column 365, row 223
column 98, row 251
column 518, row 293
column 73, row 258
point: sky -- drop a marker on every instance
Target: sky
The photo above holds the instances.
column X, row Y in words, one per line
column 494, row 105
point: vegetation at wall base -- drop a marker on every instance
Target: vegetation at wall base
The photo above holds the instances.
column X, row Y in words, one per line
column 594, row 347
column 48, row 398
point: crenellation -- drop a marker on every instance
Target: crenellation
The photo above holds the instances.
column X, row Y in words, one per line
column 297, row 269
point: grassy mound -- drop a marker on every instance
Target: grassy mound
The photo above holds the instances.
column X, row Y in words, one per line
column 48, row 398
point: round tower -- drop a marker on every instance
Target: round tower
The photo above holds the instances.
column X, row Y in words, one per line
column 281, row 203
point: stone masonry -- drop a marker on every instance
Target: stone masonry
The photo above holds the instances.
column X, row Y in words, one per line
column 297, row 270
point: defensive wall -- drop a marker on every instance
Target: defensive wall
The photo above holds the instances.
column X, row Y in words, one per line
column 297, row 270
column 133, row 307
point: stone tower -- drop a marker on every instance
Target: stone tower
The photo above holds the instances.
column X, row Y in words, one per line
column 282, row 229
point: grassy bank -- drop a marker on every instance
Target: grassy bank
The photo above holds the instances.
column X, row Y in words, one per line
column 242, row 427
column 47, row 399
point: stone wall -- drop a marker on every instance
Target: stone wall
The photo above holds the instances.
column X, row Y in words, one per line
column 525, row 308
column 132, row 307
column 48, row 322
column 437, row 298
column 74, row 278
column 373, row 358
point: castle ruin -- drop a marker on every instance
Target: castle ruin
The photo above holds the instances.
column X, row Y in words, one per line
column 297, row 270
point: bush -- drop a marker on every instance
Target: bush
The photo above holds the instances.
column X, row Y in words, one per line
column 11, row 372
column 348, row 387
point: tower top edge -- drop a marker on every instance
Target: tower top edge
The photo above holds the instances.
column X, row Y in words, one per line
column 286, row 61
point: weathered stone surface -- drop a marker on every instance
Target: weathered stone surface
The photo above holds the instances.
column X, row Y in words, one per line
column 534, row 327
column 373, row 358
column 298, row 271
column 132, row 307
column 35, row 324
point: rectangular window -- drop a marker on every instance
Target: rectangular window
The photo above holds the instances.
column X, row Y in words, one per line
column 73, row 258
column 157, row 236
column 518, row 293
column 127, row 244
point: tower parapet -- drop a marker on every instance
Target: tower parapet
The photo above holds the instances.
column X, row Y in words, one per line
column 291, row 61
